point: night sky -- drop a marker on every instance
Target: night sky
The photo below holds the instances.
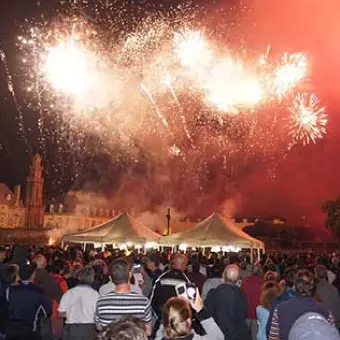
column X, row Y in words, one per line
column 301, row 182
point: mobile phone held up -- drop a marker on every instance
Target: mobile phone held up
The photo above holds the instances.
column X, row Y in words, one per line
column 186, row 290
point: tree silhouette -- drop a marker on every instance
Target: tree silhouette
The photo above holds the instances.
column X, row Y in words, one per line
column 332, row 209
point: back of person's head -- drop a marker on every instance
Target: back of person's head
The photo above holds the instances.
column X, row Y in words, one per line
column 120, row 271
column 313, row 326
column 40, row 261
column 126, row 328
column 180, row 262
column 153, row 259
column 290, row 276
column 305, row 283
column 11, row 273
column 176, row 318
column 27, row 271
column 271, row 276
column 257, row 270
column 85, row 275
column 231, row 274
column 57, row 267
column 320, row 272
column 270, row 290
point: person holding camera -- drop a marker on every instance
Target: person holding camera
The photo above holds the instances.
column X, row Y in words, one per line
column 177, row 320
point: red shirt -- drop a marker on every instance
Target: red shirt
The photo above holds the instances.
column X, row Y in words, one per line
column 252, row 286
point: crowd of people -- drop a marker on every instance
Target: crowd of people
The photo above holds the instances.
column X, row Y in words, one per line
column 53, row 293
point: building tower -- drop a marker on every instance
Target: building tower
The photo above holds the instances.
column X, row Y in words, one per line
column 34, row 216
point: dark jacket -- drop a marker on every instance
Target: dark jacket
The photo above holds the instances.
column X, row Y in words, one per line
column 27, row 303
column 286, row 313
column 164, row 289
column 49, row 284
column 228, row 306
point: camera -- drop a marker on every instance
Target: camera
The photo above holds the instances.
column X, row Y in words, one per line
column 186, row 290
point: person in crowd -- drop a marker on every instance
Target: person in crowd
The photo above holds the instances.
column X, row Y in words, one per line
column 3, row 256
column 313, row 326
column 177, row 321
column 122, row 302
column 228, row 305
column 71, row 275
column 152, row 264
column 288, row 292
column 326, row 292
column 196, row 276
column 286, row 313
column 164, row 287
column 126, row 328
column 110, row 287
column 213, row 281
column 269, row 292
column 10, row 277
column 27, row 307
column 271, row 276
column 20, row 256
column 252, row 287
column 46, row 281
column 78, row 306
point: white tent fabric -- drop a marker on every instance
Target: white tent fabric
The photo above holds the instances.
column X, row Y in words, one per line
column 121, row 229
column 216, row 230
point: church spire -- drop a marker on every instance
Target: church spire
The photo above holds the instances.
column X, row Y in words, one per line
column 34, row 217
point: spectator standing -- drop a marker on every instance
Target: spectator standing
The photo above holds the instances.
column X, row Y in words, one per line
column 78, row 306
column 152, row 265
column 252, row 287
column 326, row 292
column 213, row 281
column 27, row 306
column 122, row 302
column 164, row 287
column 177, row 321
column 228, row 305
column 286, row 313
column 270, row 291
column 196, row 276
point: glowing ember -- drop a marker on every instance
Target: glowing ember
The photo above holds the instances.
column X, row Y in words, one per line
column 308, row 119
column 69, row 69
column 292, row 70
column 192, row 49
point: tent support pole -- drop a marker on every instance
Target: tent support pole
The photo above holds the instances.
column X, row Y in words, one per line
column 62, row 244
column 84, row 246
column 251, row 255
column 258, row 255
column 103, row 246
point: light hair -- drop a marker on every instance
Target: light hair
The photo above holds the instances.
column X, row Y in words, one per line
column 231, row 274
column 176, row 318
column 40, row 261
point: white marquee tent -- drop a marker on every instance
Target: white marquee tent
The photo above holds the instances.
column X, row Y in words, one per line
column 214, row 231
column 121, row 230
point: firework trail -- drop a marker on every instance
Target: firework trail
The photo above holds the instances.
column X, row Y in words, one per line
column 154, row 105
column 168, row 83
column 10, row 85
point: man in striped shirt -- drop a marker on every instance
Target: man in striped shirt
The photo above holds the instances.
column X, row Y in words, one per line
column 122, row 302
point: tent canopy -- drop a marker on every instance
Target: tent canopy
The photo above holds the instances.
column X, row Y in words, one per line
column 121, row 229
column 216, row 230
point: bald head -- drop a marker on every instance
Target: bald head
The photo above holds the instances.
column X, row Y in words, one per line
column 180, row 262
column 40, row 261
column 231, row 274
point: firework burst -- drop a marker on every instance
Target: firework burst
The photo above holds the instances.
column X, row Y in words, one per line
column 308, row 120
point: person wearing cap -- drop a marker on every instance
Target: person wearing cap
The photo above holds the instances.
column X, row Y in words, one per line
column 313, row 326
column 252, row 287
column 286, row 313
column 228, row 305
column 27, row 307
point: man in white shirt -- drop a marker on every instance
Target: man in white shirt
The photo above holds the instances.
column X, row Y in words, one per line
column 78, row 306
